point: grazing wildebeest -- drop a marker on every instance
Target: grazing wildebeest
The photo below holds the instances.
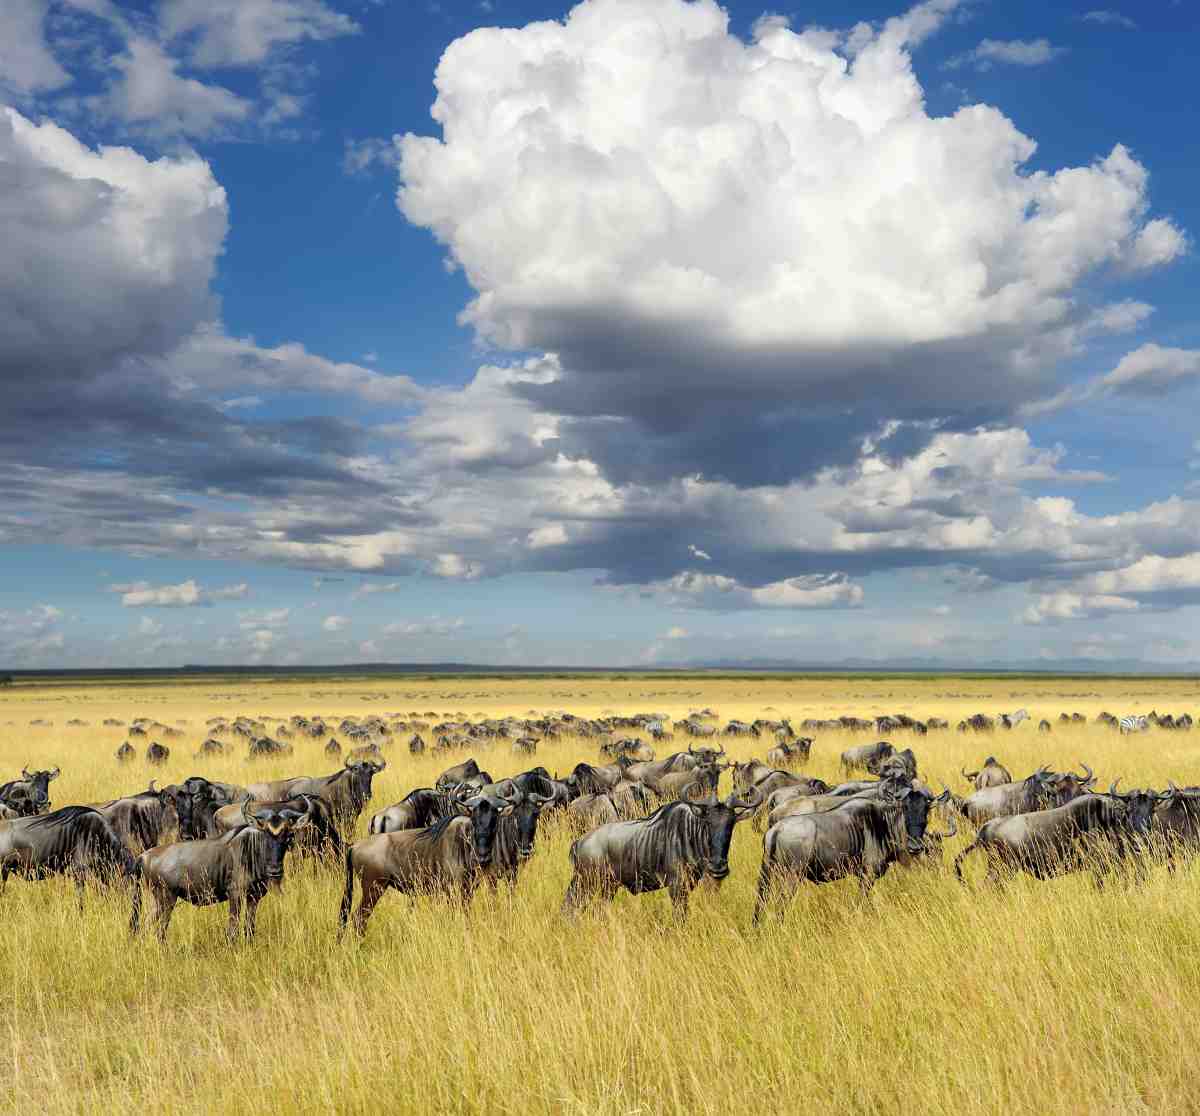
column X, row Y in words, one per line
column 30, row 794
column 419, row 809
column 332, row 747
column 238, row 868
column 75, row 841
column 211, row 747
column 346, row 791
column 265, row 746
column 675, row 847
column 1044, row 725
column 1040, row 791
column 859, row 837
column 525, row 745
column 863, row 755
column 1087, row 832
column 899, row 764
column 157, row 753
column 448, row 857
column 745, row 775
column 697, row 783
column 587, row 778
column 150, row 818
column 370, row 751
column 790, row 753
column 126, row 752
column 589, row 811
column 416, row 745
column 991, row 774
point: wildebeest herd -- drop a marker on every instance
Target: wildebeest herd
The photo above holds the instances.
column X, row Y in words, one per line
column 643, row 823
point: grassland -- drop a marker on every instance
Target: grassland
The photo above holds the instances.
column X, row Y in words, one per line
column 931, row 997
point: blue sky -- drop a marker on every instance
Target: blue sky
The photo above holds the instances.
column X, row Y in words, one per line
column 670, row 332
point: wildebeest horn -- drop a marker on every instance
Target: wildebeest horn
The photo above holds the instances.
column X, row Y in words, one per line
column 1090, row 773
column 1113, row 789
column 968, row 775
column 944, row 797
column 152, row 788
column 25, row 773
column 56, row 772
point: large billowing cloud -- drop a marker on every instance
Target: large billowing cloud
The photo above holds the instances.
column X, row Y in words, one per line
column 731, row 245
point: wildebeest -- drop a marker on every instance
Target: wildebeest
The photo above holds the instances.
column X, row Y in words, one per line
column 860, row 757
column 332, row 747
column 1177, row 822
column 238, row 868
column 418, row 809
column 265, row 746
column 1044, row 725
column 416, row 745
column 861, row 837
column 466, row 772
column 30, row 794
column 516, row 832
column 126, row 752
column 320, row 836
column 157, row 753
column 1087, row 832
column 897, row 765
column 675, row 847
column 75, row 841
column 347, row 790
column 697, row 783
column 745, row 775
column 525, row 745
column 589, row 811
column 149, row 818
column 447, row 857
column 1042, row 790
column 790, row 753
column 991, row 774
column 211, row 747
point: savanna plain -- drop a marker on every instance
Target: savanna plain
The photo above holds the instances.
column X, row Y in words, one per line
column 929, row 996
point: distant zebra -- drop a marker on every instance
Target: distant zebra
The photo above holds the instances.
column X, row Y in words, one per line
column 1133, row 724
column 1011, row 720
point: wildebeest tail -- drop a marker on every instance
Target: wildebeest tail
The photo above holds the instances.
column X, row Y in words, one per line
column 961, row 856
column 348, row 894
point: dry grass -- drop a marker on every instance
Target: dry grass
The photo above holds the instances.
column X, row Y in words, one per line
column 1046, row 998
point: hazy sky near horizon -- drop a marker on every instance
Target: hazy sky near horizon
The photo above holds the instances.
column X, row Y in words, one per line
column 645, row 331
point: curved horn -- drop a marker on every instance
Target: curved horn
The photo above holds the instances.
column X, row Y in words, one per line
column 968, row 775
column 25, row 774
column 153, row 790
column 952, row 831
column 1113, row 789
column 56, row 772
column 1091, row 775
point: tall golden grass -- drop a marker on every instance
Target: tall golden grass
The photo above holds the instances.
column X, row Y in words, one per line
column 929, row 997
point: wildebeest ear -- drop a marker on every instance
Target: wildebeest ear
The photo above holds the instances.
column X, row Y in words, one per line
column 56, row 772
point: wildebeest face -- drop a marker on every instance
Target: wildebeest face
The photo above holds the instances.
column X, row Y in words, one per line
column 485, row 815
column 1139, row 807
column 279, row 827
column 361, row 774
column 720, row 818
column 37, row 789
column 914, row 806
column 526, row 814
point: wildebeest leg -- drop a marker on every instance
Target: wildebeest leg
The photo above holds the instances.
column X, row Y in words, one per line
column 165, row 904
column 251, row 916
column 233, row 930
column 763, row 894
column 372, row 892
column 576, row 898
column 679, row 888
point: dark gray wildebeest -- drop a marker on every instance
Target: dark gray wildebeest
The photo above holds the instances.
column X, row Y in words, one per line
column 590, row 811
column 448, row 857
column 467, row 772
column 790, row 753
column 896, row 766
column 332, row 747
column 588, row 778
column 525, row 745
column 1177, row 823
column 1042, row 790
column 418, row 809
column 695, row 784
column 1091, row 831
column 859, row 837
column 1044, row 725
column 370, row 751
column 516, row 832
column 150, row 818
column 319, row 837
column 860, row 757
column 416, row 745
column 30, row 794
column 346, row 791
column 675, row 847
column 75, row 841
column 211, row 747
column 238, row 869
column 992, row 774
column 126, row 752
column 157, row 753
column 264, row 746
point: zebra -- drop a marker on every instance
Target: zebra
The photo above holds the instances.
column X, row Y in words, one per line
column 1011, row 720
column 1139, row 723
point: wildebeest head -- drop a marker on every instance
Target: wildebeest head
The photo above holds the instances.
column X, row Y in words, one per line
column 883, row 751
column 485, row 813
column 31, row 793
column 915, row 805
column 1139, row 806
column 278, row 825
column 720, row 818
column 527, row 809
column 362, row 771
column 705, row 755
column 1066, row 785
column 180, row 800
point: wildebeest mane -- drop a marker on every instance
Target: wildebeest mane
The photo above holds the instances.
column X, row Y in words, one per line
column 434, row 832
column 66, row 816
